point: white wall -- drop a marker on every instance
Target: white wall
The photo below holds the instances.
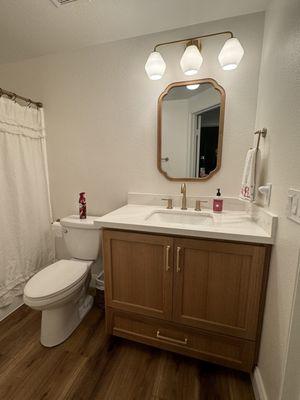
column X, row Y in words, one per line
column 291, row 383
column 101, row 113
column 206, row 99
column 175, row 128
column 278, row 110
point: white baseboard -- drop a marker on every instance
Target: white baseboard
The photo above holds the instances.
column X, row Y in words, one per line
column 6, row 311
column 258, row 385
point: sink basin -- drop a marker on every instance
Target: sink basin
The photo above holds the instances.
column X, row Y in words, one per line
column 180, row 217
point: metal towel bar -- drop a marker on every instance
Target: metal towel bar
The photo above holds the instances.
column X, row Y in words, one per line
column 261, row 132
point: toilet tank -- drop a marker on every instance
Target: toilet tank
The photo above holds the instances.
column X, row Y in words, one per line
column 81, row 236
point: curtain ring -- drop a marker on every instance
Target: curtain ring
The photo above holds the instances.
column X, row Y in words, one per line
column 14, row 97
column 29, row 103
column 1, row 92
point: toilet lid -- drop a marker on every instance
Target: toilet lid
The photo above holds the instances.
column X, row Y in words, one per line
column 55, row 278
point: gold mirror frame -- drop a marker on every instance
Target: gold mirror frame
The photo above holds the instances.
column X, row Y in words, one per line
column 221, row 127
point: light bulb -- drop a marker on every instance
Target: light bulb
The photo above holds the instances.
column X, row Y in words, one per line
column 191, row 60
column 155, row 66
column 231, row 54
column 193, row 87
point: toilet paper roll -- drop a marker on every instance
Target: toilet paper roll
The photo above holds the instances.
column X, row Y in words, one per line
column 57, row 229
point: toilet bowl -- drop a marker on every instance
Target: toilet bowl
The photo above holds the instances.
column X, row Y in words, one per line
column 60, row 290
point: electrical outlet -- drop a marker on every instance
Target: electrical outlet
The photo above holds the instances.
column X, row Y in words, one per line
column 293, row 206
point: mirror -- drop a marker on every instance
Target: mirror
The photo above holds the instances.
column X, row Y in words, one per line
column 190, row 129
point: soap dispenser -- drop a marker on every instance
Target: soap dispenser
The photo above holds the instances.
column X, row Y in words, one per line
column 218, row 202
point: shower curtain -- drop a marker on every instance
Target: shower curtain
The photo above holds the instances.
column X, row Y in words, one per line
column 26, row 243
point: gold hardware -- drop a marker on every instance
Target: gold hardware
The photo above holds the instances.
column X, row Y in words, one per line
column 160, row 154
column 169, row 204
column 198, row 204
column 183, row 191
column 167, row 257
column 178, row 259
column 159, row 336
column 193, row 39
column 195, row 42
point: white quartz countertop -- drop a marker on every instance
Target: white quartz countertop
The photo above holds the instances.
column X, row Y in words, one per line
column 229, row 225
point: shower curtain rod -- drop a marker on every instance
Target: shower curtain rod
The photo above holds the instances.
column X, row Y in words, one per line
column 13, row 96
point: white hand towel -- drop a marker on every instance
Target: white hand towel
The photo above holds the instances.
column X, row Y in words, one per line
column 248, row 181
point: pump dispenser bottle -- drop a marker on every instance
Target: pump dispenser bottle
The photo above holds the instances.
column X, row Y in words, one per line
column 218, row 202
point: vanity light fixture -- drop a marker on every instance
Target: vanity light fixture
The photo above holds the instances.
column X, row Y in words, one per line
column 155, row 66
column 231, row 54
column 193, row 87
column 191, row 59
column 229, row 57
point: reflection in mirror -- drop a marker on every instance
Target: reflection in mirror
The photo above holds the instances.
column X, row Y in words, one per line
column 190, row 129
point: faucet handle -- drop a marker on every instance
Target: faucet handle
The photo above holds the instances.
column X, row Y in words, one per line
column 198, row 204
column 169, row 203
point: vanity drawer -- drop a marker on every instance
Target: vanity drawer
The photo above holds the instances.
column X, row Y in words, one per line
column 225, row 350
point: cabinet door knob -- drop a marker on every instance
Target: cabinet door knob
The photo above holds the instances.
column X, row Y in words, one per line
column 168, row 257
column 178, row 259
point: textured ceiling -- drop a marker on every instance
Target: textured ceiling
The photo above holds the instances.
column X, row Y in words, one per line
column 30, row 28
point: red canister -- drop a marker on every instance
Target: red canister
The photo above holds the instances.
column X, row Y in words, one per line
column 82, row 205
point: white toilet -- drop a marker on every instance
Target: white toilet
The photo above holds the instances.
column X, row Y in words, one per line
column 60, row 290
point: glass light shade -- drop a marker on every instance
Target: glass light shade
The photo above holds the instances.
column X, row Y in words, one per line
column 193, row 87
column 155, row 66
column 231, row 54
column 191, row 60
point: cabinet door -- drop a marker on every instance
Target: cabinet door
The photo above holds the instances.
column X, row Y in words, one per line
column 218, row 286
column 138, row 272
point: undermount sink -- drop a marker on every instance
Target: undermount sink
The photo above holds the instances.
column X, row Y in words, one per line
column 180, row 217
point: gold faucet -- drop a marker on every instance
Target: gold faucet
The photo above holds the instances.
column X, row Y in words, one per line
column 183, row 191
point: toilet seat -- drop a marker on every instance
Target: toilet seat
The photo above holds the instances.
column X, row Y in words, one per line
column 59, row 278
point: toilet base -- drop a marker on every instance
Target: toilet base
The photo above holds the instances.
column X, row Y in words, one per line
column 59, row 323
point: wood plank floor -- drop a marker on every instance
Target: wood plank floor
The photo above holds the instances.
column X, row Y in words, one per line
column 92, row 366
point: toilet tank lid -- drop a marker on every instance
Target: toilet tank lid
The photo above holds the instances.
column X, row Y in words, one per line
column 73, row 221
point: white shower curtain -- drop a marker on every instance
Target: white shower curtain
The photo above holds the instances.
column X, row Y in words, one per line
column 26, row 243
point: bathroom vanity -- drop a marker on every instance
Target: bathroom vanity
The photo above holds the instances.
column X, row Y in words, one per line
column 186, row 281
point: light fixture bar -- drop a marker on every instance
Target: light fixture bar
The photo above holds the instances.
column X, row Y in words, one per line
column 193, row 39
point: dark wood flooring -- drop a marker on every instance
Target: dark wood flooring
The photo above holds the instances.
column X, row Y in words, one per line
column 92, row 366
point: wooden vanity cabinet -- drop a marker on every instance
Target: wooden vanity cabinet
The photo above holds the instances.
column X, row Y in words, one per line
column 138, row 276
column 198, row 297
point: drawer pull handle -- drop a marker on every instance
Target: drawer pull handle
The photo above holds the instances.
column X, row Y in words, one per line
column 159, row 336
column 178, row 259
column 168, row 257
